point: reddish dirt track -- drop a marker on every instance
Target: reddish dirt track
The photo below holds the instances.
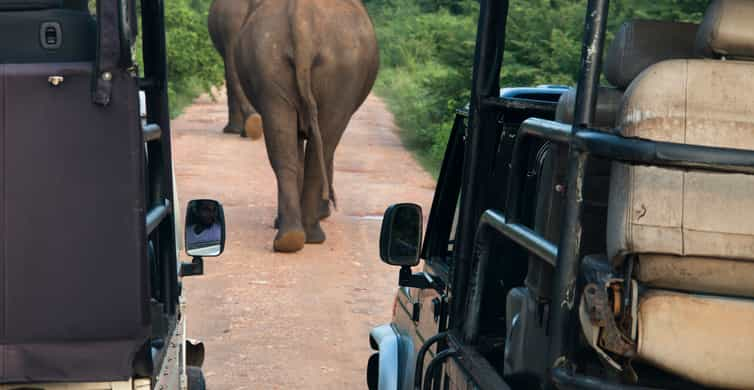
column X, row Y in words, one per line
column 292, row 321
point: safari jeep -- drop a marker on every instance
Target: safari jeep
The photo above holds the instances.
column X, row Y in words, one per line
column 90, row 275
column 597, row 239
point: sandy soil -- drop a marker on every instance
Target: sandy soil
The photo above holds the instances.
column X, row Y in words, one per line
column 300, row 321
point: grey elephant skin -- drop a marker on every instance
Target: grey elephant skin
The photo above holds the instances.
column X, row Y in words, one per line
column 306, row 66
column 224, row 21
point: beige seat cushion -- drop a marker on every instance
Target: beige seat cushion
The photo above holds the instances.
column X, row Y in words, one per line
column 669, row 211
column 697, row 274
column 705, row 339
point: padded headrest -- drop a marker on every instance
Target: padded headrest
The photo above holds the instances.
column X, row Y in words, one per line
column 608, row 102
column 642, row 43
column 727, row 29
column 29, row 5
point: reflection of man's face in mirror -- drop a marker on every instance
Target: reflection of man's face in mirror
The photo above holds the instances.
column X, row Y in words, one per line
column 207, row 213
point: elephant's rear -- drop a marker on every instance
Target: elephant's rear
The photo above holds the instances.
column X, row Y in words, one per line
column 307, row 66
column 346, row 59
column 335, row 59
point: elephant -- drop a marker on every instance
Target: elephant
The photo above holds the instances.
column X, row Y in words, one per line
column 307, row 66
column 225, row 19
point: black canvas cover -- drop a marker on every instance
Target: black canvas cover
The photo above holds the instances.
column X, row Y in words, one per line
column 22, row 32
column 73, row 270
column 16, row 5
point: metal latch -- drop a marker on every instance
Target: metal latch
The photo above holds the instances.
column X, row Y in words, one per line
column 51, row 35
column 55, row 80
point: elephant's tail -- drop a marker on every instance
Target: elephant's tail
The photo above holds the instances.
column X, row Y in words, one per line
column 303, row 59
column 252, row 120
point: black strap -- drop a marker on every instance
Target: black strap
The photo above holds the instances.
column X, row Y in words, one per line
column 108, row 50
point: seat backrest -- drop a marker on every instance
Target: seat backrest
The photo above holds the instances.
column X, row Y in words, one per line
column 690, row 101
column 640, row 44
column 637, row 45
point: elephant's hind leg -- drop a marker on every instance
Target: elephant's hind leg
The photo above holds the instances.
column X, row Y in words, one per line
column 283, row 150
column 311, row 198
column 235, row 115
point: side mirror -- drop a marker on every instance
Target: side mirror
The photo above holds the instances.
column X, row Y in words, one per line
column 205, row 228
column 401, row 235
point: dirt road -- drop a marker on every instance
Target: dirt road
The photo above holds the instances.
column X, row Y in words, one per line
column 300, row 321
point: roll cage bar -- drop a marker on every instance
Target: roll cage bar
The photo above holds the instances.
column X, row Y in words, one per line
column 477, row 225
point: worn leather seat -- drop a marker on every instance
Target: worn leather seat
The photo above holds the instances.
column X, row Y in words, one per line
column 704, row 217
column 637, row 45
column 692, row 231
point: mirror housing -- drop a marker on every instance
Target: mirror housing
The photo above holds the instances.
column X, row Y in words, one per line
column 401, row 235
column 205, row 228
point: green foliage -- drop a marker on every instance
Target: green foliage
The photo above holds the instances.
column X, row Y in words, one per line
column 193, row 64
column 427, row 48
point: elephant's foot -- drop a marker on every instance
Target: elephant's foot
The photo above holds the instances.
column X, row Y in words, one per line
column 315, row 234
column 289, row 241
column 253, row 126
column 233, row 129
column 324, row 213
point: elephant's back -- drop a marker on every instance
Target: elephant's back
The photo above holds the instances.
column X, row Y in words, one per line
column 224, row 21
column 338, row 34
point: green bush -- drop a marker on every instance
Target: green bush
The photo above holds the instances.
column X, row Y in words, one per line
column 193, row 64
column 427, row 48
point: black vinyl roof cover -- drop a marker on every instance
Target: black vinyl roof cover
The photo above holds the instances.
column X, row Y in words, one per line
column 74, row 285
column 74, row 288
column 28, row 5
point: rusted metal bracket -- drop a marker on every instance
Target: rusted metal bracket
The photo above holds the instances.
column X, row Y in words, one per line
column 602, row 314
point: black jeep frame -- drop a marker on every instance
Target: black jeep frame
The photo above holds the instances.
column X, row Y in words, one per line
column 104, row 306
column 478, row 225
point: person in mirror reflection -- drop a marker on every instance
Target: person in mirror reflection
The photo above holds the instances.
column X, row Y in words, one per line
column 406, row 233
column 207, row 230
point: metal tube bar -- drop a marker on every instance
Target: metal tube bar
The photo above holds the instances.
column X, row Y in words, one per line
column 567, row 268
column 154, row 46
column 499, row 103
column 639, row 151
column 549, row 130
column 419, row 370
column 567, row 381
column 152, row 132
column 632, row 150
column 478, row 368
column 155, row 216
column 434, row 365
column 480, row 138
column 565, row 292
column 146, row 83
column 533, row 127
column 493, row 222
column 521, row 235
column 591, row 62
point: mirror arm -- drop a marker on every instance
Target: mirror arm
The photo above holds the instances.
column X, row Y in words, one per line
column 194, row 268
column 421, row 280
